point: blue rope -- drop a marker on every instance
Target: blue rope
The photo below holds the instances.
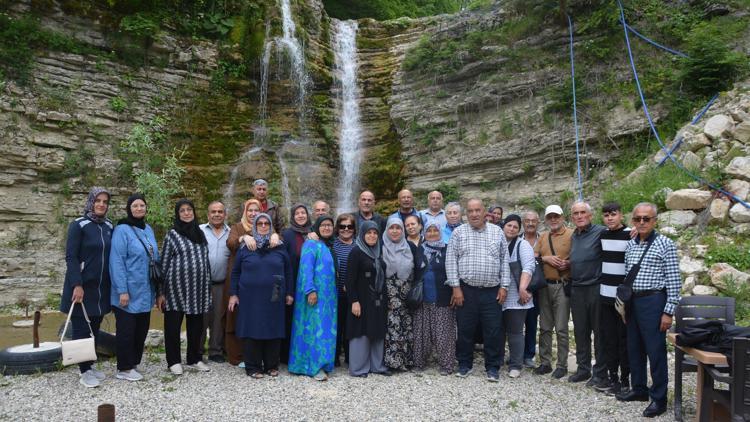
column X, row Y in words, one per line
column 575, row 111
column 678, row 143
column 651, row 121
column 654, row 43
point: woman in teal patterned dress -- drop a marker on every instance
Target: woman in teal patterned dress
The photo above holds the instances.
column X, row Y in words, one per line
column 313, row 344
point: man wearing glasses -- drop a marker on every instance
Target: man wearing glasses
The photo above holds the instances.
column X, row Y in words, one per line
column 656, row 293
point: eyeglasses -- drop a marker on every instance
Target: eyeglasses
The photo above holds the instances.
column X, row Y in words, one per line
column 645, row 219
column 346, row 226
column 263, row 223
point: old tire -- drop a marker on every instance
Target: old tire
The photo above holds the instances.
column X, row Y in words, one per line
column 25, row 359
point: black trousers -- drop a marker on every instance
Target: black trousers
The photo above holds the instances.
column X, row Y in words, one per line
column 261, row 355
column 131, row 335
column 480, row 307
column 341, row 342
column 194, row 326
column 584, row 307
column 81, row 330
column 614, row 335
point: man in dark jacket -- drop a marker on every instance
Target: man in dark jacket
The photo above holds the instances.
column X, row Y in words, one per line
column 260, row 192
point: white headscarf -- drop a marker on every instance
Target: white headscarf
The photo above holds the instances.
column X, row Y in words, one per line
column 397, row 255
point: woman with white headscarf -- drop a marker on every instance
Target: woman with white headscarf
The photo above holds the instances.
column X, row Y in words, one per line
column 401, row 259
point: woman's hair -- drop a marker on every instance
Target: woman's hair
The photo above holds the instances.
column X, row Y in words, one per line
column 419, row 221
column 343, row 217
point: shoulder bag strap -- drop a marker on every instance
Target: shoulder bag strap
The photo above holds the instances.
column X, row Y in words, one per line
column 549, row 237
column 637, row 267
column 646, row 250
column 67, row 321
column 148, row 250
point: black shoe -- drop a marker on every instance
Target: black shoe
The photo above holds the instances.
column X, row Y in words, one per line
column 559, row 373
column 579, row 376
column 217, row 358
column 602, row 385
column 614, row 388
column 386, row 373
column 593, row 381
column 632, row 396
column 543, row 370
column 360, row 376
column 654, row 409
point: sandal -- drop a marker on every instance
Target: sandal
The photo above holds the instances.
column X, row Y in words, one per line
column 273, row 372
column 256, row 375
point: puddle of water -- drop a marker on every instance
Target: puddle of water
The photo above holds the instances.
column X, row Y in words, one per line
column 50, row 326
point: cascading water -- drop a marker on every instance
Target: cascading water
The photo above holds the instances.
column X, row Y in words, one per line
column 285, row 192
column 228, row 197
column 349, row 124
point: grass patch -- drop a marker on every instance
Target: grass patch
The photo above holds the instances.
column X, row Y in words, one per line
column 741, row 294
column 736, row 253
column 647, row 187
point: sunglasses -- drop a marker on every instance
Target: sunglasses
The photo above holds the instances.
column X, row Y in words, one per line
column 346, row 226
column 642, row 219
column 263, row 223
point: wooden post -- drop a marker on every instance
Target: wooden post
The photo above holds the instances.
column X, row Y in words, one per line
column 105, row 413
column 37, row 317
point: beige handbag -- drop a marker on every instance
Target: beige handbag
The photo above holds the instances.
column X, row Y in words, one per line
column 81, row 350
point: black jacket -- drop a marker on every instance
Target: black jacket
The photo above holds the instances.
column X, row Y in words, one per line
column 360, row 287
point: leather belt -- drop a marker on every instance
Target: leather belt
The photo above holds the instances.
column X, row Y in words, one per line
column 644, row 293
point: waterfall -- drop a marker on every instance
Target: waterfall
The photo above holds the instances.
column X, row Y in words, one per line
column 349, row 125
column 285, row 192
column 228, row 197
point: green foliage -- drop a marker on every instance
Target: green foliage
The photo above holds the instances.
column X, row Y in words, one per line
column 647, row 187
column 450, row 192
column 156, row 169
column 712, row 66
column 78, row 163
column 388, row 9
column 736, row 254
column 561, row 96
column 140, row 25
column 741, row 294
column 20, row 38
column 118, row 104
column 226, row 70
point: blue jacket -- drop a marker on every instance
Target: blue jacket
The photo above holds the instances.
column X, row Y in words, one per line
column 128, row 268
column 86, row 258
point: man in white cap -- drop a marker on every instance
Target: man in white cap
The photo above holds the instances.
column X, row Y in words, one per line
column 553, row 248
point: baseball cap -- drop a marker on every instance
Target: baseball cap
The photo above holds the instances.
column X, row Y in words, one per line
column 553, row 209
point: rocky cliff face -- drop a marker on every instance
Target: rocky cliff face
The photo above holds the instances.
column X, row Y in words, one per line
column 474, row 114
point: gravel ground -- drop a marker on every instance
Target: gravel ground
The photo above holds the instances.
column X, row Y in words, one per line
column 226, row 393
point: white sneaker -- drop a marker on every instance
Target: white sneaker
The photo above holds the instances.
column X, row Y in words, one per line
column 88, row 379
column 514, row 373
column 241, row 365
column 98, row 374
column 131, row 375
column 199, row 366
column 176, row 369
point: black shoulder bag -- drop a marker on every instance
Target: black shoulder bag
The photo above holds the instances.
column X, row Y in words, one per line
column 624, row 296
column 154, row 269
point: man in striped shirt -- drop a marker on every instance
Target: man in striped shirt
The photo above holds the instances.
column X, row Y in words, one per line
column 611, row 327
column 656, row 293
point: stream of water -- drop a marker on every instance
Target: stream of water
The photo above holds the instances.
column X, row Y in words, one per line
column 349, row 122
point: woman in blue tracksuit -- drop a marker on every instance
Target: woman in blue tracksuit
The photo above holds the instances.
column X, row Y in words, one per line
column 87, row 274
column 132, row 297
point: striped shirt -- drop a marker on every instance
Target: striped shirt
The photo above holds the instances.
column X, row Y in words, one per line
column 614, row 243
column 341, row 252
column 660, row 268
column 479, row 258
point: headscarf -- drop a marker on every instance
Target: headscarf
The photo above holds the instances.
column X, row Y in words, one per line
column 397, row 255
column 88, row 210
column 262, row 240
column 372, row 252
column 130, row 220
column 302, row 229
column 248, row 225
column 190, row 230
column 431, row 247
column 517, row 219
column 316, row 228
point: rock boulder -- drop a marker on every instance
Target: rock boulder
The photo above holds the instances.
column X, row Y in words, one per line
column 721, row 273
column 718, row 126
column 739, row 188
column 688, row 199
column 718, row 211
column 739, row 213
column 701, row 290
column 677, row 218
column 739, row 168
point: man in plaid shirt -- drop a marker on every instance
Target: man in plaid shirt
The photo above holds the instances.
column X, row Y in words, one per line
column 656, row 293
column 476, row 264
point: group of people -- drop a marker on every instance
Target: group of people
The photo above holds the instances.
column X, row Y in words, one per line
column 385, row 294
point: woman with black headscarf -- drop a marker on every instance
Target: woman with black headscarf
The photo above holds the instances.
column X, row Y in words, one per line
column 87, row 276
column 365, row 288
column 187, row 287
column 132, row 295
column 313, row 341
column 294, row 237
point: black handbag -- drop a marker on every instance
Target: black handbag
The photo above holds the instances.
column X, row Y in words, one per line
column 624, row 295
column 415, row 297
column 538, row 281
column 154, row 269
